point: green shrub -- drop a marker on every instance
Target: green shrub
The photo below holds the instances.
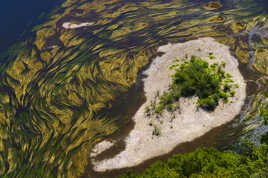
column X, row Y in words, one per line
column 156, row 131
column 209, row 82
column 212, row 57
column 209, row 162
column 264, row 138
column 264, row 114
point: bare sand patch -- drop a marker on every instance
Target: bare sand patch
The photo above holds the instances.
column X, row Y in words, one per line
column 100, row 147
column 189, row 122
column 69, row 25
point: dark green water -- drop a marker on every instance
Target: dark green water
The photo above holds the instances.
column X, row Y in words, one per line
column 20, row 16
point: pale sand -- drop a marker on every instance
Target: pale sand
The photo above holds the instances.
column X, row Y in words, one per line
column 69, row 25
column 100, row 147
column 188, row 124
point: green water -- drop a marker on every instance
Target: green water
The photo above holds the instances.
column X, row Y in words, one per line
column 60, row 88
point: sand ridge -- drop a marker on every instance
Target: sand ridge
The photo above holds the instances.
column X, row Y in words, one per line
column 69, row 25
column 190, row 122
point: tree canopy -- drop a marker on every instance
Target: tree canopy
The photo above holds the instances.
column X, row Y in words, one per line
column 209, row 162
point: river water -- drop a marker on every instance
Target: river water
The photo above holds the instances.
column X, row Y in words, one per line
column 20, row 16
column 64, row 90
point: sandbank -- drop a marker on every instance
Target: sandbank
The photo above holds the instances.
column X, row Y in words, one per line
column 189, row 122
column 69, row 25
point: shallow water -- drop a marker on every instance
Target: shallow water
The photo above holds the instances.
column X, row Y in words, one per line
column 61, row 89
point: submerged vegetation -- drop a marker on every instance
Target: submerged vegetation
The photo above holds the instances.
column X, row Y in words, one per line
column 209, row 162
column 59, row 88
column 209, row 82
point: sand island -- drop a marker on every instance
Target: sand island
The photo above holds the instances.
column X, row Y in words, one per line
column 154, row 136
column 69, row 25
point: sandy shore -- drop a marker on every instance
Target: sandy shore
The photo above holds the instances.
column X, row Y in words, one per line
column 69, row 25
column 189, row 123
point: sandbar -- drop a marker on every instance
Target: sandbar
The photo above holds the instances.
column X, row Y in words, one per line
column 69, row 25
column 189, row 122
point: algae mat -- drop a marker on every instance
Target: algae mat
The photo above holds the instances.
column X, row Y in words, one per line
column 61, row 89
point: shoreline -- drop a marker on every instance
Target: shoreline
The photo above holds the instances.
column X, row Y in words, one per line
column 190, row 123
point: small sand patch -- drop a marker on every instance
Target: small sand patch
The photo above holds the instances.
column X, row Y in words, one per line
column 69, row 25
column 100, row 147
column 189, row 122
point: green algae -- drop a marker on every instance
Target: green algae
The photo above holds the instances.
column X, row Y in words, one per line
column 59, row 87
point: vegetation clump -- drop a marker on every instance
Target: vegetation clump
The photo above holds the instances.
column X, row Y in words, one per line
column 264, row 138
column 209, row 82
column 209, row 162
column 156, row 131
column 264, row 114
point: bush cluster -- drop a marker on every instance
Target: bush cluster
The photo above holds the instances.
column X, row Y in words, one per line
column 264, row 138
column 209, row 162
column 209, row 82
column 264, row 114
